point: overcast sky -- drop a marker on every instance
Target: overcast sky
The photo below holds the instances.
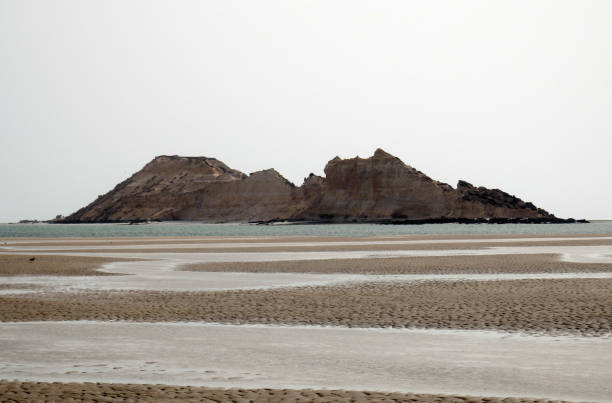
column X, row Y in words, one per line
column 515, row 95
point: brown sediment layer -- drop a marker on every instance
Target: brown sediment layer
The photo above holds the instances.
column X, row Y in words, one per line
column 112, row 392
column 544, row 263
column 21, row 286
column 20, row 265
column 336, row 248
column 572, row 306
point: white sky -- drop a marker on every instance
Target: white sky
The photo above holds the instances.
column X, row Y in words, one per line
column 515, row 95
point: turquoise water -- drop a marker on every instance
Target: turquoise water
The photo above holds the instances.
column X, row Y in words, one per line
column 353, row 230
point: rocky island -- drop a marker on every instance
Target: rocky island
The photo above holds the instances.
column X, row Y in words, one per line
column 380, row 189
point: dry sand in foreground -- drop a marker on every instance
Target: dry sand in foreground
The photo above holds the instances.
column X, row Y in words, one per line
column 19, row 265
column 569, row 306
column 113, row 392
column 545, row 263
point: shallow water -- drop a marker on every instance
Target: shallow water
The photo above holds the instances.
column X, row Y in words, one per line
column 349, row 230
column 404, row 360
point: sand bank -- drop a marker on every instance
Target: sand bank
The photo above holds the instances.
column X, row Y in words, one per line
column 312, row 246
column 573, row 253
column 569, row 306
column 417, row 361
column 545, row 263
column 295, row 269
column 19, row 265
column 111, row 392
column 164, row 276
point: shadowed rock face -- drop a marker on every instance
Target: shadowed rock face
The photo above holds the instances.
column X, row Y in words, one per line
column 379, row 188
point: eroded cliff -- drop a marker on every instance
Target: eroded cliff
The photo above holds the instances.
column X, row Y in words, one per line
column 377, row 189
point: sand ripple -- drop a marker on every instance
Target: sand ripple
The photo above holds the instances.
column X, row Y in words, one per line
column 116, row 392
column 575, row 306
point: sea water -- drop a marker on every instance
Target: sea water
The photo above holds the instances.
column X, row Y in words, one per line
column 165, row 229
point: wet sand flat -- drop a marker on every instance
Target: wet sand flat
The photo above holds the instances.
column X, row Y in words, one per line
column 120, row 392
column 544, row 263
column 164, row 271
column 219, row 356
column 273, row 247
column 574, row 253
column 166, row 275
column 572, row 306
column 19, row 265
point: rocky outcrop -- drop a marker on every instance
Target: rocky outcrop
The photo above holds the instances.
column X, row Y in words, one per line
column 193, row 188
column 382, row 188
column 377, row 189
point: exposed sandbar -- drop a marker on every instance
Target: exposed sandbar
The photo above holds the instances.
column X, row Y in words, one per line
column 544, row 263
column 111, row 392
column 194, row 248
column 20, row 265
column 572, row 306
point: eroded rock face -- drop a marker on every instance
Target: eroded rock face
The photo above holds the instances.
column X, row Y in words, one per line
column 192, row 188
column 378, row 188
column 381, row 186
column 261, row 196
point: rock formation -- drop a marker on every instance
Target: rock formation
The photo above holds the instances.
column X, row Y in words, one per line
column 377, row 189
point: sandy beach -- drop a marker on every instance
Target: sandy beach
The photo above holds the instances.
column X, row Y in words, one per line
column 544, row 286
